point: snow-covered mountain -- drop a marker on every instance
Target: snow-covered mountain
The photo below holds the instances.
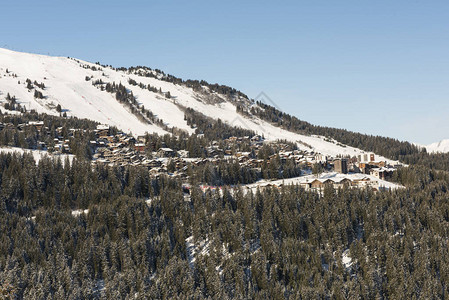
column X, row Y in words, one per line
column 441, row 146
column 68, row 83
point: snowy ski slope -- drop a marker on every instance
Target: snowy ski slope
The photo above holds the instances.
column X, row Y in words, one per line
column 65, row 84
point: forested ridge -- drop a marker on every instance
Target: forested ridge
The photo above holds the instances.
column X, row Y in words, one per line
column 276, row 243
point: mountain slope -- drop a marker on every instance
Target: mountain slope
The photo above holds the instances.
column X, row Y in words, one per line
column 65, row 85
column 441, row 146
column 69, row 83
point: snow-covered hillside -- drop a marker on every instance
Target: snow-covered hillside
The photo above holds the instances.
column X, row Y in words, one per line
column 37, row 154
column 441, row 146
column 68, row 82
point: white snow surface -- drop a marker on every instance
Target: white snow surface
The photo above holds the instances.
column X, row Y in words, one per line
column 346, row 259
column 441, row 146
column 193, row 250
column 65, row 83
column 37, row 154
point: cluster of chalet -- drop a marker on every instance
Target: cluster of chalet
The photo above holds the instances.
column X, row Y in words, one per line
column 299, row 157
column 357, row 172
column 37, row 124
column 255, row 139
column 333, row 179
column 122, row 149
column 249, row 158
column 364, row 164
column 125, row 150
column 318, row 184
column 61, row 144
column 339, row 182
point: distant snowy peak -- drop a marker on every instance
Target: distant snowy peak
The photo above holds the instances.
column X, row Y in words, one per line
column 441, row 146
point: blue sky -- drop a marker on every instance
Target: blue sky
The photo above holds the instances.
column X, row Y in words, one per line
column 378, row 67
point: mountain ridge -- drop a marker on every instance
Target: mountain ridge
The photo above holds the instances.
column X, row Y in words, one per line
column 439, row 147
column 150, row 104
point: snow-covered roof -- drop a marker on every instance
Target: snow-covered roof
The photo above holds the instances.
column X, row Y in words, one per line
column 102, row 127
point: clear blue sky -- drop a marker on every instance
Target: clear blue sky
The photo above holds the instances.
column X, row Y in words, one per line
column 379, row 67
